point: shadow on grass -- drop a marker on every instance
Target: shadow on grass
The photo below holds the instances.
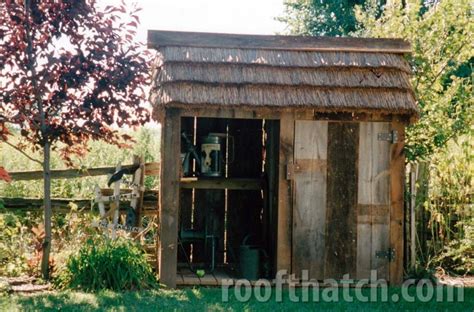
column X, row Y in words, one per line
column 210, row 299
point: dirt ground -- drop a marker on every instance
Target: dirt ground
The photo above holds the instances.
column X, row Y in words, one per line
column 467, row 281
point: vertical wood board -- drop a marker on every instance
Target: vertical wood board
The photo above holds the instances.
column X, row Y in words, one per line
column 397, row 178
column 283, row 252
column 341, row 224
column 309, row 210
column 169, row 206
column 373, row 199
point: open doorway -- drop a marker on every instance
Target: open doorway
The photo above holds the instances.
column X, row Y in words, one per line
column 228, row 199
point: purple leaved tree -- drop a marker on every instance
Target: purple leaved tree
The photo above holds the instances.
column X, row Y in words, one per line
column 69, row 73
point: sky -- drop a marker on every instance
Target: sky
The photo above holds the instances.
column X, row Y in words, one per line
column 223, row 16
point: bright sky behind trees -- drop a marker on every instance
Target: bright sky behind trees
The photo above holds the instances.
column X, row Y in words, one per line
column 225, row 16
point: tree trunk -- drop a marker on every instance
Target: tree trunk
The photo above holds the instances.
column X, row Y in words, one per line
column 47, row 211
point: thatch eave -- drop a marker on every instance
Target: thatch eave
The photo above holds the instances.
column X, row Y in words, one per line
column 406, row 114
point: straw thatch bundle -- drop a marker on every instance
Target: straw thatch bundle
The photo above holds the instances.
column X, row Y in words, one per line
column 197, row 76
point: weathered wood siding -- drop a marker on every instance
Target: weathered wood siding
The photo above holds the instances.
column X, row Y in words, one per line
column 169, row 197
column 342, row 199
column 309, row 210
column 373, row 213
column 341, row 231
column 285, row 204
column 397, row 178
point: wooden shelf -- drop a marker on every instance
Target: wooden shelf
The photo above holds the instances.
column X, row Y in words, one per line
column 221, row 183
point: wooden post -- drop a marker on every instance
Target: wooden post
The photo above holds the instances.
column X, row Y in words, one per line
column 169, row 195
column 412, row 216
column 285, row 198
column 139, row 178
column 397, row 178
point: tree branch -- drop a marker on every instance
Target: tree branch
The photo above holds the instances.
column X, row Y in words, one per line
column 34, row 78
column 441, row 71
column 22, row 152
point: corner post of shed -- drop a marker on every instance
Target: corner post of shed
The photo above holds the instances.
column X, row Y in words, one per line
column 285, row 196
column 169, row 196
column 397, row 180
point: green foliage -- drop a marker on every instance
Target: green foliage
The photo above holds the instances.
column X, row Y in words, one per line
column 108, row 264
column 324, row 17
column 146, row 143
column 422, row 273
column 15, row 247
column 458, row 255
column 450, row 207
column 22, row 235
column 440, row 35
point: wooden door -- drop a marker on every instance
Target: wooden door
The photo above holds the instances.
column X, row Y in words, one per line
column 341, row 199
column 373, row 213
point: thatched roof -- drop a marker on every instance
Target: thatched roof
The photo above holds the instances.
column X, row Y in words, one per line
column 332, row 74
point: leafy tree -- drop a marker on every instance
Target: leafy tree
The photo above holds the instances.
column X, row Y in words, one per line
column 71, row 74
column 442, row 58
column 325, row 17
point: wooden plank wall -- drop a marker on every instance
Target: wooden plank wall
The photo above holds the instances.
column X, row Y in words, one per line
column 341, row 225
column 373, row 201
column 244, row 208
column 210, row 203
column 309, row 209
column 169, row 196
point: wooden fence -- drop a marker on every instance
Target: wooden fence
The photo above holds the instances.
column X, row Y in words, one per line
column 61, row 204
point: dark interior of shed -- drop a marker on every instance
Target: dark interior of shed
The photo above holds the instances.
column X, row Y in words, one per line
column 228, row 196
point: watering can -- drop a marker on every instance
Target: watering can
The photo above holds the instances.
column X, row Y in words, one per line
column 250, row 256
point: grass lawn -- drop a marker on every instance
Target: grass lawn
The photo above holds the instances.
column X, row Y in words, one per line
column 210, row 299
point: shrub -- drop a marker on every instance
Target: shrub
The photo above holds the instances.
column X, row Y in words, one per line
column 107, row 264
column 458, row 255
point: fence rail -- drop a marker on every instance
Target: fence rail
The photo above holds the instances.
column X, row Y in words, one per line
column 150, row 200
column 150, row 197
column 151, row 169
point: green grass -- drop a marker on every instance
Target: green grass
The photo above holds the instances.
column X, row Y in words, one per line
column 209, row 299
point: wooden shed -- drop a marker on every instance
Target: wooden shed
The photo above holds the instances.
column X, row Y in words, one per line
column 315, row 127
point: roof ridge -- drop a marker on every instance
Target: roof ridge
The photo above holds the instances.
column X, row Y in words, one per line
column 161, row 38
